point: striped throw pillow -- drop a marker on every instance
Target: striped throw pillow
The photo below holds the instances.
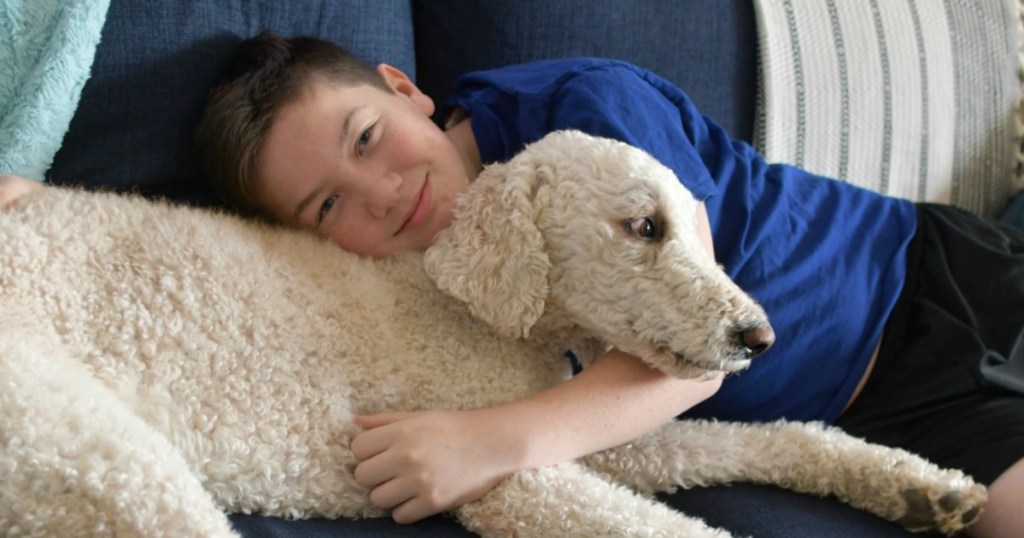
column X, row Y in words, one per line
column 913, row 98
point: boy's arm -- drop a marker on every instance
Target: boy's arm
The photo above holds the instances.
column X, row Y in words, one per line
column 419, row 464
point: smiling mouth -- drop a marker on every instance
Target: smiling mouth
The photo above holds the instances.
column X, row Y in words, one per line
column 418, row 212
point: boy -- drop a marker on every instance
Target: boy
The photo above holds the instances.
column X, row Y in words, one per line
column 374, row 174
column 351, row 155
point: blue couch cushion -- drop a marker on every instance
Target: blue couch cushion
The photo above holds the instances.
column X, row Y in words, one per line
column 770, row 512
column 439, row 526
column 133, row 129
column 706, row 47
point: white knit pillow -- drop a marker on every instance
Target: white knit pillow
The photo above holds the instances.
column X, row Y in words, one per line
column 911, row 98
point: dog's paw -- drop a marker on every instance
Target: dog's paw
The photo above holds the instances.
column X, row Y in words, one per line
column 948, row 509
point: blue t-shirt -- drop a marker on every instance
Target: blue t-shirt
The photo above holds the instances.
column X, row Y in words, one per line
column 826, row 259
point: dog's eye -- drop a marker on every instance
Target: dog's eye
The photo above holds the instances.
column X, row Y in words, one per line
column 643, row 228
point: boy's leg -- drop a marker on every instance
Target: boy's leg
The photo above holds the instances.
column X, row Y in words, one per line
column 964, row 299
column 1004, row 515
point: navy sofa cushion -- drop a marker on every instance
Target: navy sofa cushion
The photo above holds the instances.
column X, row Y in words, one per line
column 706, row 47
column 252, row 526
column 133, row 129
column 770, row 512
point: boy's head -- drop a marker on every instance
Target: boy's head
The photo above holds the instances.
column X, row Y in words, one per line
column 303, row 133
column 266, row 73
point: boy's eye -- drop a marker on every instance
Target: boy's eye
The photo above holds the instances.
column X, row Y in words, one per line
column 325, row 208
column 364, row 139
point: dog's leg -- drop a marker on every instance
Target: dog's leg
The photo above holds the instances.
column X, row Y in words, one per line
column 74, row 461
column 571, row 500
column 809, row 458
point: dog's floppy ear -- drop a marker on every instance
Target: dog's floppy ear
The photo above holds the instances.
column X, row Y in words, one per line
column 492, row 257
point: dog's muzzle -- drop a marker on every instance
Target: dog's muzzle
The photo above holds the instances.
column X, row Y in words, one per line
column 749, row 343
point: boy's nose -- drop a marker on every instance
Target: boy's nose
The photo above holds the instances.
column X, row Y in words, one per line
column 383, row 194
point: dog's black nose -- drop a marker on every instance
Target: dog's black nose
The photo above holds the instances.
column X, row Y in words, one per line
column 757, row 339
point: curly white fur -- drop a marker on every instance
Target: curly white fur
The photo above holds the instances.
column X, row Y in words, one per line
column 162, row 365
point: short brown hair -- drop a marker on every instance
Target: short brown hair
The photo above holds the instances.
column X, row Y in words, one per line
column 266, row 73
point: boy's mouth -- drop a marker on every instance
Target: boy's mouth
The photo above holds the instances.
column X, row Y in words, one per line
column 419, row 209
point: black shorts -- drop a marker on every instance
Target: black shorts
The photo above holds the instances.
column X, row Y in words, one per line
column 963, row 301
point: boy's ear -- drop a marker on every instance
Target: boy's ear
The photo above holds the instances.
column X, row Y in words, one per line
column 401, row 83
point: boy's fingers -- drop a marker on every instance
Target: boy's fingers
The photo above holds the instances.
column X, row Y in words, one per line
column 412, row 511
column 368, row 422
column 374, row 472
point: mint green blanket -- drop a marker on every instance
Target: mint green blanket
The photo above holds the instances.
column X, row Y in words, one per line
column 46, row 51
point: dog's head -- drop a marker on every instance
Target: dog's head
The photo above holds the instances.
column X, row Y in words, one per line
column 593, row 232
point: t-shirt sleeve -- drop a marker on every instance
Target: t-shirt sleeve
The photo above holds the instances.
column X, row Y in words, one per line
column 621, row 103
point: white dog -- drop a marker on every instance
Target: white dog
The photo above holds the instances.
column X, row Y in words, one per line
column 163, row 365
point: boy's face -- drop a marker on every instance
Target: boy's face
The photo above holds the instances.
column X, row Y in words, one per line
column 361, row 167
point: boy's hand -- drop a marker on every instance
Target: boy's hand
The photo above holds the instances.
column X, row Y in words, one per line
column 420, row 464
column 14, row 187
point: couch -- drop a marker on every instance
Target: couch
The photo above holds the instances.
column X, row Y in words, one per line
column 155, row 60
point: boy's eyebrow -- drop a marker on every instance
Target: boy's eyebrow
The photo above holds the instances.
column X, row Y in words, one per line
column 345, row 126
column 302, row 205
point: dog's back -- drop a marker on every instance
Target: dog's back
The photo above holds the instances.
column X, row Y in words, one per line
column 247, row 345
